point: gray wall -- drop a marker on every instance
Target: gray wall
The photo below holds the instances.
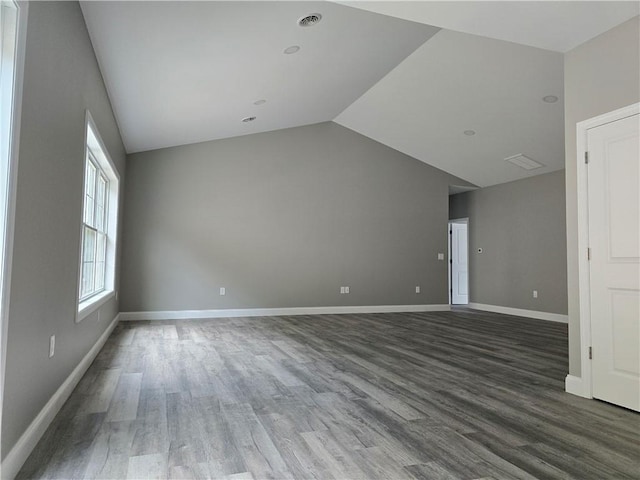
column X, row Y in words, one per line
column 520, row 227
column 61, row 80
column 600, row 76
column 283, row 219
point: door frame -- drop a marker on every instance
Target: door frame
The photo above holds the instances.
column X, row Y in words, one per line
column 584, row 287
column 464, row 220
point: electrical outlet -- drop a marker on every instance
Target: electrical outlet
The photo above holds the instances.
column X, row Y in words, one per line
column 535, row 294
column 417, row 288
column 346, row 289
column 441, row 256
column 342, row 290
column 52, row 345
column 223, row 291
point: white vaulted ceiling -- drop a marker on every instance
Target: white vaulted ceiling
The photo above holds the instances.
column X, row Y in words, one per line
column 184, row 72
column 458, row 82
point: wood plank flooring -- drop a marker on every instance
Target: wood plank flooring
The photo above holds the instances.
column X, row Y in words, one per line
column 449, row 395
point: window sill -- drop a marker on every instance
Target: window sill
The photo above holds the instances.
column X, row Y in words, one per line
column 92, row 304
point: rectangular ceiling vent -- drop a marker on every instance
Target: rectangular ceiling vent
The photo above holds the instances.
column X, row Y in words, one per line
column 524, row 162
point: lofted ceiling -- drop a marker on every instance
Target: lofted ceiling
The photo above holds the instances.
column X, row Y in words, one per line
column 185, row 72
column 458, row 82
column 552, row 25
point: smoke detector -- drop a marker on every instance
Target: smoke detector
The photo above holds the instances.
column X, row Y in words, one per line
column 523, row 161
column 310, row 20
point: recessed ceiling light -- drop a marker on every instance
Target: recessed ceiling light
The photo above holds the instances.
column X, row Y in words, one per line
column 291, row 49
column 469, row 133
column 550, row 99
column 259, row 102
column 248, row 119
column 310, row 20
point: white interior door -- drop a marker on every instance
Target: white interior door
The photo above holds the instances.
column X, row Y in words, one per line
column 614, row 241
column 459, row 264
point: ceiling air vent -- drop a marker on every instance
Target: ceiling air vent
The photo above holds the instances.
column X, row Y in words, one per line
column 310, row 20
column 248, row 119
column 524, row 162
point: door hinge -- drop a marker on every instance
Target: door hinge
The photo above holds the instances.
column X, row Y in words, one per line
column 590, row 353
column 588, row 254
column 586, row 157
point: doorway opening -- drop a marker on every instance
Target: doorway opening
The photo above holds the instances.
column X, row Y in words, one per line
column 459, row 261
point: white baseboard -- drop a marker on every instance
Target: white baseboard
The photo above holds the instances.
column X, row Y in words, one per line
column 26, row 443
column 575, row 386
column 270, row 312
column 519, row 312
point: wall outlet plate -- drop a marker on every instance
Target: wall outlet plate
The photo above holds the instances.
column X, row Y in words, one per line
column 346, row 289
column 417, row 288
column 223, row 291
column 52, row 345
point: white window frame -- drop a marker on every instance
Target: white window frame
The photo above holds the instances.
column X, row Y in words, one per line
column 12, row 139
column 96, row 153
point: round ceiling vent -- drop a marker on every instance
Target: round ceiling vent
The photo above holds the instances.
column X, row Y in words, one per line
column 310, row 20
column 248, row 119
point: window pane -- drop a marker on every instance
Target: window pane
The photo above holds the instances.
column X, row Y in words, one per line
column 102, row 248
column 102, row 191
column 89, row 192
column 100, row 226
column 87, row 278
column 89, row 245
column 88, row 210
column 99, row 276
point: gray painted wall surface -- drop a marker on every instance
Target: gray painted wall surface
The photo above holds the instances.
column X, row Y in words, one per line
column 283, row 219
column 61, row 80
column 520, row 227
column 600, row 76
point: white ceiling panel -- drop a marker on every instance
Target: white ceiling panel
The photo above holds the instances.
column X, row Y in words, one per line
column 185, row 72
column 458, row 82
column 559, row 26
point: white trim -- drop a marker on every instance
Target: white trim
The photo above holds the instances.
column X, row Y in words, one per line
column 30, row 438
column 12, row 180
column 583, row 236
column 270, row 312
column 92, row 304
column 520, row 312
column 575, row 386
column 109, row 169
column 465, row 221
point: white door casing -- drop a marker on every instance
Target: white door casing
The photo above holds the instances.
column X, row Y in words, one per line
column 613, row 174
column 459, row 264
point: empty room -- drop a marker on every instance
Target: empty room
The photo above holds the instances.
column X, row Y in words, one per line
column 334, row 240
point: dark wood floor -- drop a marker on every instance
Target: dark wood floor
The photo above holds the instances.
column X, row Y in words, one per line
column 452, row 395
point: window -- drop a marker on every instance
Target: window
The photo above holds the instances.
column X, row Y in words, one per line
column 94, row 228
column 99, row 225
